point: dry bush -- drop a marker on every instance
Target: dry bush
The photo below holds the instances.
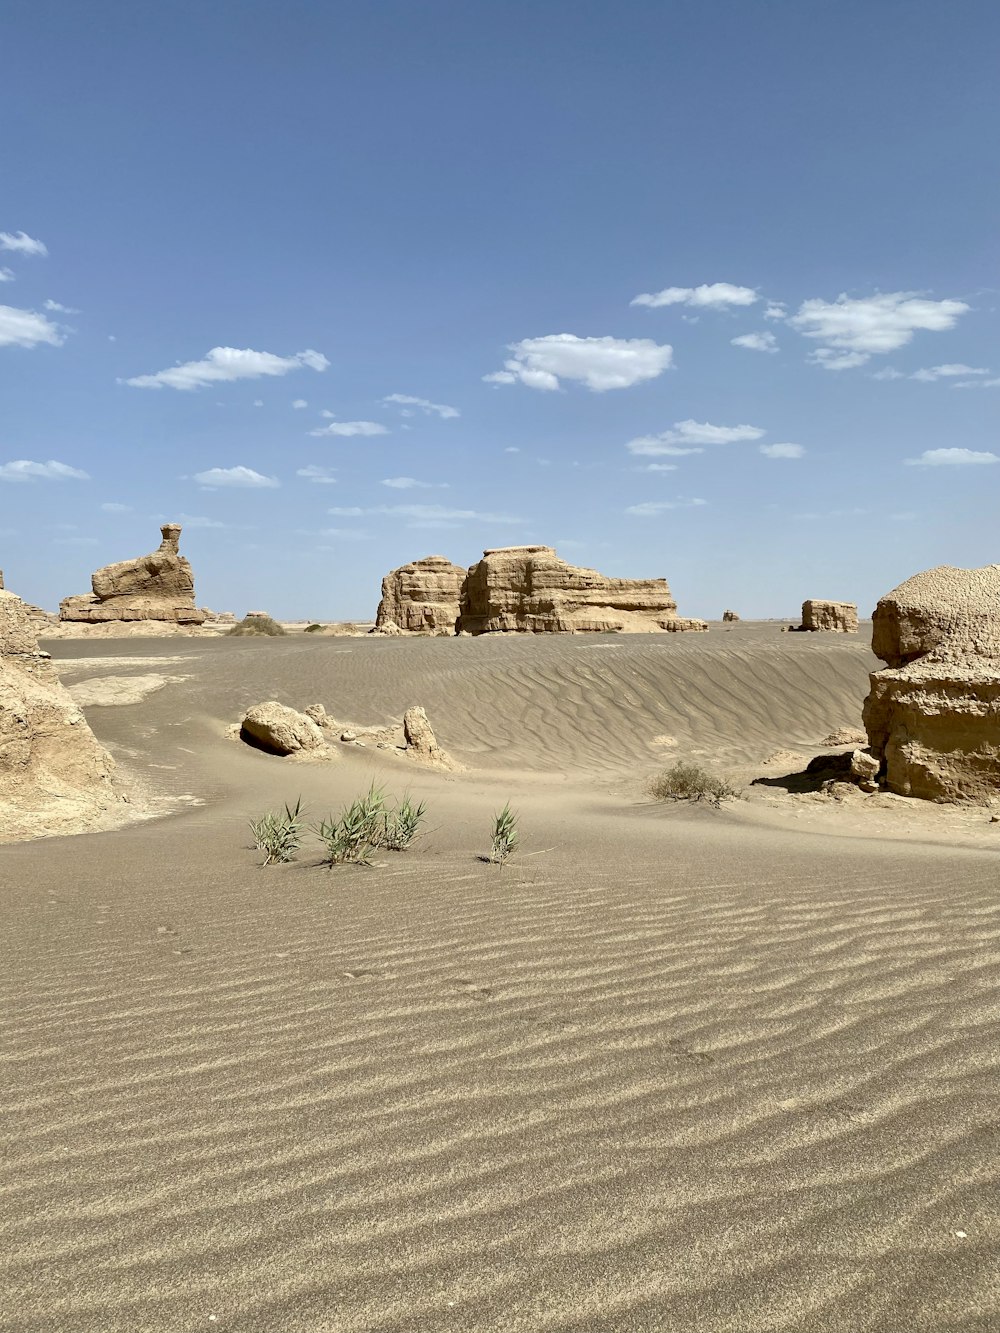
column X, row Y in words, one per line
column 687, row 781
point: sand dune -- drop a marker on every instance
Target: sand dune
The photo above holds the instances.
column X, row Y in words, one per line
column 667, row 1070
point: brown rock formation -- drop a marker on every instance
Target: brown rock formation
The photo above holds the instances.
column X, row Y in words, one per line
column 729, row 617
column 54, row 777
column 280, row 730
column 933, row 717
column 159, row 586
column 841, row 617
column 421, row 598
column 529, row 589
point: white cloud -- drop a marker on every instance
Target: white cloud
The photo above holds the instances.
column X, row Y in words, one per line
column 322, row 476
column 351, row 428
column 782, row 450
column 650, row 508
column 951, row 458
column 599, row 363
column 6, row 275
column 757, row 342
column 952, row 371
column 887, row 374
column 27, row 328
column 22, row 469
column 685, row 434
column 228, row 363
column 711, row 296
column 112, row 507
column 445, row 412
column 774, row 310
column 22, row 243
column 512, row 449
column 58, row 309
column 411, row 483
column 977, row 384
column 662, row 467
column 862, row 327
column 234, row 476
column 197, row 521
column 299, row 404
column 258, row 402
column 423, row 514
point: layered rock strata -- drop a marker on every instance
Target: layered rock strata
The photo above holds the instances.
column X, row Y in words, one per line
column 529, row 589
column 421, row 598
column 840, row 617
column 54, row 776
column 933, row 716
column 159, row 586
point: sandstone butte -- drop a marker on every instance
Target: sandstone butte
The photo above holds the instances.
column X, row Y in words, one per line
column 840, row 617
column 54, row 776
column 525, row 589
column 933, row 716
column 159, row 586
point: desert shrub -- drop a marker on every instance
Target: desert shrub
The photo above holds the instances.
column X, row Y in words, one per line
column 257, row 625
column 312, row 629
column 399, row 826
column 277, row 835
column 687, row 781
column 505, row 837
column 356, row 832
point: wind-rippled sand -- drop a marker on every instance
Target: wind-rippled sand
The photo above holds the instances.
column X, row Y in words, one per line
column 668, row 1070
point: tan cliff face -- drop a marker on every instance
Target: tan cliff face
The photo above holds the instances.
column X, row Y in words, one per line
column 522, row 589
column 159, row 586
column 54, row 776
column 839, row 617
column 933, row 717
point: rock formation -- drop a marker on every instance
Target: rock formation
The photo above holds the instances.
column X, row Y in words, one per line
column 54, row 777
column 528, row 588
column 841, row 617
column 159, row 586
column 729, row 617
column 280, row 730
column 933, row 717
column 421, row 598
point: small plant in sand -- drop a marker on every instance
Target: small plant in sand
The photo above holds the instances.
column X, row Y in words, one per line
column 312, row 629
column 277, row 835
column 257, row 625
column 506, row 838
column 357, row 831
column 400, row 825
column 687, row 781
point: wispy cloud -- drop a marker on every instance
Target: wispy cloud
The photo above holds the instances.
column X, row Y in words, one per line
column 58, row 309
column 952, row 458
column 442, row 410
column 234, row 476
column 411, row 483
column 346, row 428
column 424, row 515
column 321, row 476
column 689, row 437
column 23, row 469
column 650, row 508
column 599, row 363
column 299, row 404
column 855, row 329
column 709, row 296
column 113, row 507
column 21, row 243
column 782, row 450
column 223, row 364
column 27, row 328
column 954, row 370
column 756, row 342
column 774, row 310
column 200, row 521
column 6, row 275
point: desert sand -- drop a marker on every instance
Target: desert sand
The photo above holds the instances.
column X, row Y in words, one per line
column 672, row 1069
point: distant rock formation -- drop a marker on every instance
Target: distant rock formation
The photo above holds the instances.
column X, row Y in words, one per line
column 933, row 717
column 54, row 776
column 159, row 586
column 421, row 598
column 729, row 617
column 529, row 589
column 841, row 617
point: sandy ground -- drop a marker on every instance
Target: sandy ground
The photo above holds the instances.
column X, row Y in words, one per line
column 675, row 1069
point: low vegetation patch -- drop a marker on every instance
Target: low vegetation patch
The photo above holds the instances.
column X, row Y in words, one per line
column 399, row 826
column 257, row 625
column 690, row 782
column 277, row 835
column 505, row 838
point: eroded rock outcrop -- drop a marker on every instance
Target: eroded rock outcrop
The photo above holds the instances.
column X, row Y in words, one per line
column 421, row 597
column 54, row 776
column 529, row 589
column 730, row 617
column 279, row 729
column 933, row 716
column 159, row 586
column 840, row 617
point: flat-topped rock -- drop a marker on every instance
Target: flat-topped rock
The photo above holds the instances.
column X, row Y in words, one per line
column 421, row 597
column 158, row 586
column 933, row 717
column 835, row 617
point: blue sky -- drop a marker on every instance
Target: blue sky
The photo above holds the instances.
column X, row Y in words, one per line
column 340, row 285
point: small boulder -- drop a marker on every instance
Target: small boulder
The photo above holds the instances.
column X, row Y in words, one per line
column 280, row 730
